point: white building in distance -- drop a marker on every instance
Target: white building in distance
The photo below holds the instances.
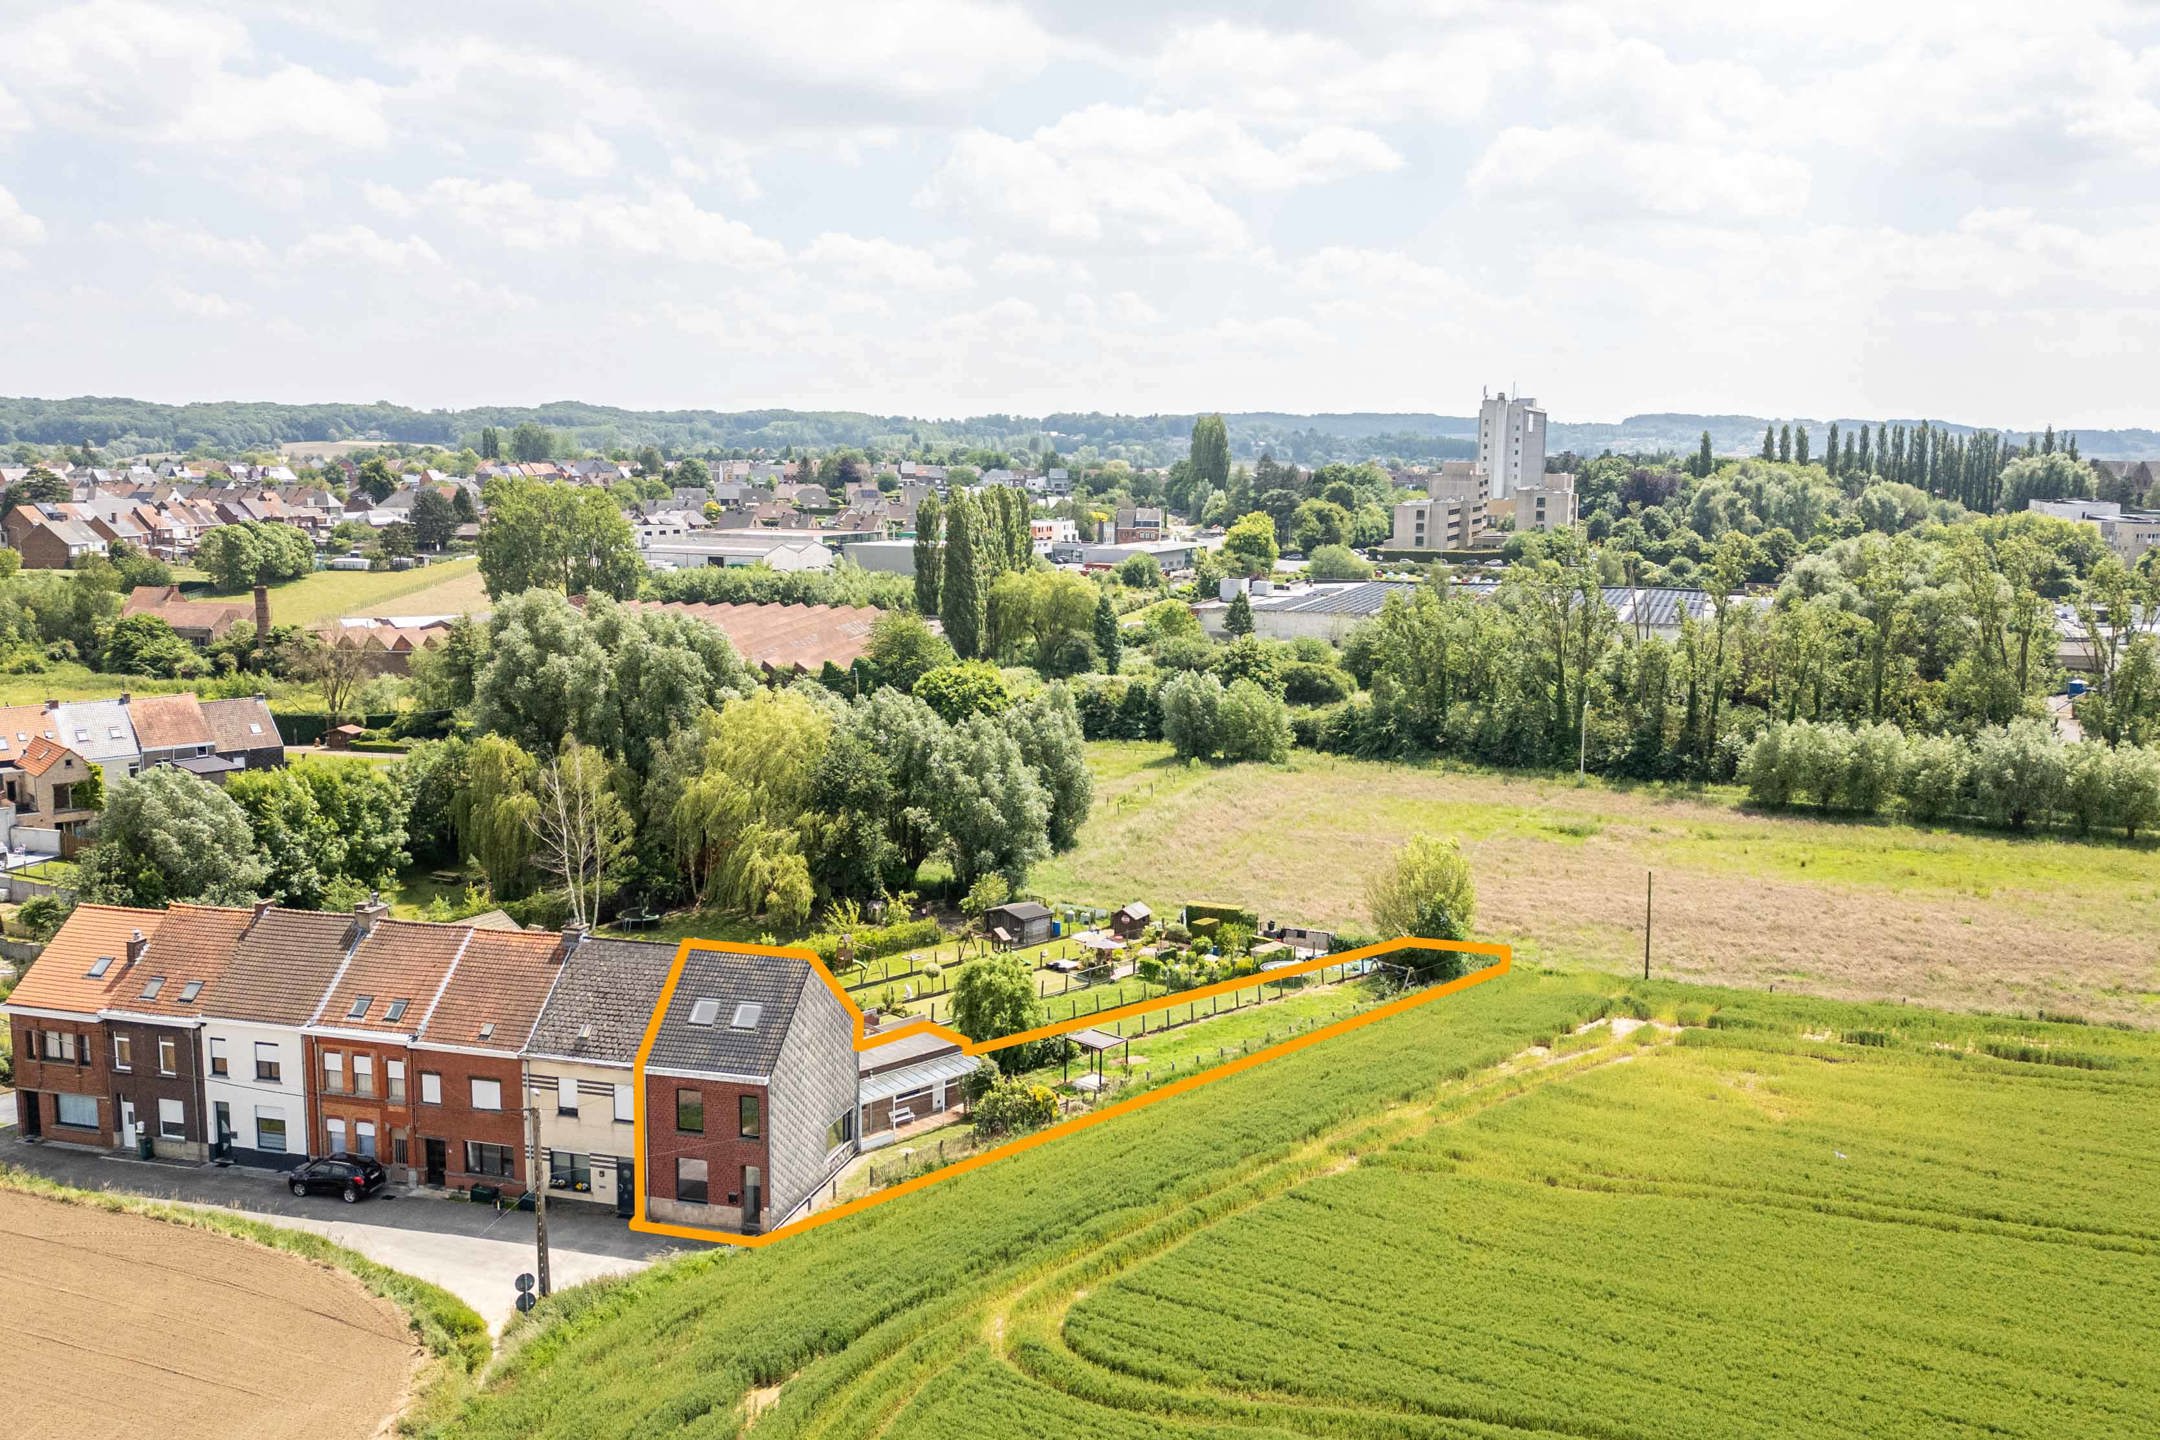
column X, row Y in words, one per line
column 1511, row 444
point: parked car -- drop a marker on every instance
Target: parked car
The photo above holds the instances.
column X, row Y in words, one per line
column 352, row 1178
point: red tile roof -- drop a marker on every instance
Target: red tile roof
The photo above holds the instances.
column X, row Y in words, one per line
column 497, row 991
column 169, row 722
column 41, row 755
column 399, row 960
column 192, row 946
column 782, row 637
column 59, row 979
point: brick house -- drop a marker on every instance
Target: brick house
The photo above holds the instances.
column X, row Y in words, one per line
column 63, row 1059
column 750, row 1091
column 245, row 731
column 257, row 1075
column 469, row 1115
column 153, row 1021
column 359, row 1043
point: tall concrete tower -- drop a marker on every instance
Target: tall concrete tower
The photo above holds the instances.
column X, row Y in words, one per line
column 1511, row 443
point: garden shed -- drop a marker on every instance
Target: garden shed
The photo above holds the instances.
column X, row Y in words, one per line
column 1131, row 920
column 1020, row 922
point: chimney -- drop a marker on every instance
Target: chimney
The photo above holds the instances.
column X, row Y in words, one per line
column 367, row 912
column 572, row 937
column 262, row 615
column 262, row 908
column 136, row 945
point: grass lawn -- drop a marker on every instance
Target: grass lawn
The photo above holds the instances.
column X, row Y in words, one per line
column 1796, row 1218
column 444, row 588
column 1858, row 909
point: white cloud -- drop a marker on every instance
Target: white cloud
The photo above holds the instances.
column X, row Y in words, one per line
column 360, row 245
column 1589, row 174
column 876, row 261
column 1292, row 75
column 203, row 305
column 17, row 225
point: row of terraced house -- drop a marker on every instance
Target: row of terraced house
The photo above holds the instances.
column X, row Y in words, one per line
column 261, row 1036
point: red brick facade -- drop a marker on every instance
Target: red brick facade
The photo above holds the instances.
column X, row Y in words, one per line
column 38, row 1079
column 721, row 1144
column 371, row 1084
column 455, row 1122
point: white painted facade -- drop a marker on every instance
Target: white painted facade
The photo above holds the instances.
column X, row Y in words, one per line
column 250, row 1097
column 598, row 1140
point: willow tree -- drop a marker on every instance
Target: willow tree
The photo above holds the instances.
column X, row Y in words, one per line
column 494, row 815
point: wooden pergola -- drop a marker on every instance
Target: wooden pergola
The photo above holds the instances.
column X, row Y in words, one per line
column 1096, row 1043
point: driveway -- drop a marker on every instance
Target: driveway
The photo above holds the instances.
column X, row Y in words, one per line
column 474, row 1251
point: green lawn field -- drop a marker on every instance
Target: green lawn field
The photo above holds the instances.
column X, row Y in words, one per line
column 447, row 587
column 1856, row 909
column 1512, row 1212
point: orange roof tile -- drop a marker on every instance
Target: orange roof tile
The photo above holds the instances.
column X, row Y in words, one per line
column 782, row 637
column 186, row 956
column 42, row 754
column 60, row 978
column 168, row 722
column 399, row 960
column 20, row 724
column 497, row 991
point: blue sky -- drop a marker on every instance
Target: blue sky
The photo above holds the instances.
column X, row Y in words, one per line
column 947, row 206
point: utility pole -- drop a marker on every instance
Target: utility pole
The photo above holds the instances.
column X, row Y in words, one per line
column 538, row 1186
column 1649, row 879
column 1582, row 753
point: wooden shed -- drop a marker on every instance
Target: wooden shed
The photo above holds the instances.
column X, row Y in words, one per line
column 1020, row 922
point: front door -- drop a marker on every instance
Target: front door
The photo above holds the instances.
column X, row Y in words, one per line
column 753, row 1196
column 127, row 1124
column 625, row 1189
column 28, row 1113
column 438, row 1163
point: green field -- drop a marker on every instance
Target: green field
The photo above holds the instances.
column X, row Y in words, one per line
column 444, row 588
column 1790, row 1218
column 1862, row 910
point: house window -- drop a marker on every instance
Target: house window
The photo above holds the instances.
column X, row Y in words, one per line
column 363, row 1074
column 168, row 1055
column 565, row 1095
column 690, row 1180
column 171, row 1120
column 841, row 1130
column 481, row 1159
column 270, row 1131
column 336, row 1131
column 77, row 1112
column 364, row 1137
column 59, row 1045
column 123, row 1052
column 625, row 1104
column 430, row 1088
column 748, row 1117
column 333, row 1072
column 486, row 1094
column 267, row 1068
column 218, row 1064
column 394, row 1076
column 690, row 1112
column 568, row 1171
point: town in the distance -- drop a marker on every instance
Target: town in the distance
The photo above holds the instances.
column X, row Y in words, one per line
column 518, row 851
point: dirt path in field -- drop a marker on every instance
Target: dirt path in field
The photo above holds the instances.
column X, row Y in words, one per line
column 125, row 1326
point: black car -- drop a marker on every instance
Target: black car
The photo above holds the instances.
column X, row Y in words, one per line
column 352, row 1178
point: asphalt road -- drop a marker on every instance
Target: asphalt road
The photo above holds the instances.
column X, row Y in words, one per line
column 474, row 1251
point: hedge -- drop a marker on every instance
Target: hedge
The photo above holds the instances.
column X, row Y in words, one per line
column 1227, row 914
column 876, row 943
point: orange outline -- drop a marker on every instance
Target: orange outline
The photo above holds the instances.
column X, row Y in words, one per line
column 917, row 1026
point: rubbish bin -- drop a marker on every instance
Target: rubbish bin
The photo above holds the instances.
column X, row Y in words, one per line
column 145, row 1147
column 486, row 1194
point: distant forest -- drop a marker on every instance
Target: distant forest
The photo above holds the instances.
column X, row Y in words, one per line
column 117, row 428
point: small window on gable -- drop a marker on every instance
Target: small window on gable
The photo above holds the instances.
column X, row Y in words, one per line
column 189, row 991
column 359, row 1006
column 705, row 1012
column 746, row 1016
column 99, row 966
column 396, row 1010
column 151, row 987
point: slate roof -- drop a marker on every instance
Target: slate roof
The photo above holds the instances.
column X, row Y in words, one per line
column 59, row 978
column 97, row 730
column 773, row 983
column 499, row 987
column 230, row 719
column 399, row 960
column 193, row 944
column 169, row 722
column 608, row 989
column 281, row 966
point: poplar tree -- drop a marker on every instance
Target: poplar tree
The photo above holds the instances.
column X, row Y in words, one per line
column 1799, row 445
column 1705, row 462
column 1109, row 644
column 929, row 525
column 1867, row 465
column 960, row 598
column 1784, row 444
column 1210, row 461
column 1830, row 451
column 1769, row 442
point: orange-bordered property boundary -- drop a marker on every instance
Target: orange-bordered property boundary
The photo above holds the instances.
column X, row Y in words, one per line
column 1501, row 955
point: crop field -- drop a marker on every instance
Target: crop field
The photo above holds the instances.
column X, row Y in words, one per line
column 1515, row 1212
column 1859, row 910
column 444, row 588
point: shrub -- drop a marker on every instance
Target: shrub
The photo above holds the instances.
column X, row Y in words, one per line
column 2019, row 773
column 972, row 687
column 1932, row 784
column 878, row 941
column 1192, row 715
column 1337, row 562
column 1253, row 725
column 1011, row 1106
column 1307, row 683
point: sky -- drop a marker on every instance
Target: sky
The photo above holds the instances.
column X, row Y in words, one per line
column 951, row 207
